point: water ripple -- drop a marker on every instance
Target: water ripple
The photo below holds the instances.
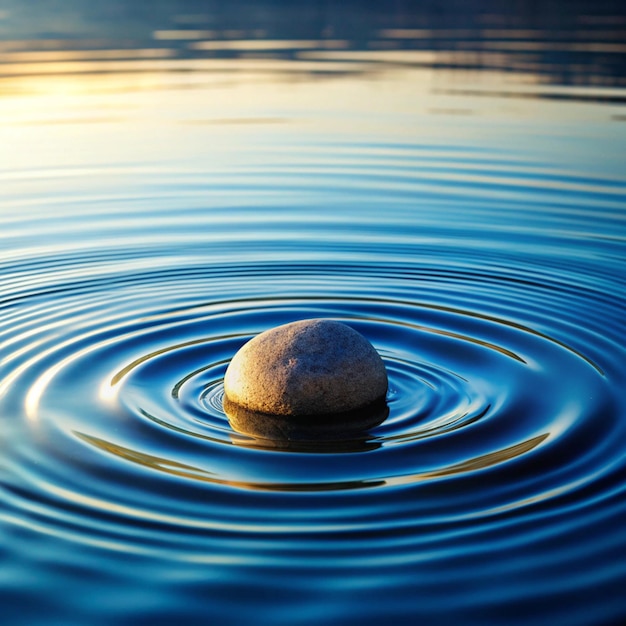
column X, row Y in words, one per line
column 491, row 300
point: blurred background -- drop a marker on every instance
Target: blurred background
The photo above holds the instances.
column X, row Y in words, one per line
column 579, row 43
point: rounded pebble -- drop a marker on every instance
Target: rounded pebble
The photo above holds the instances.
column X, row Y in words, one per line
column 304, row 369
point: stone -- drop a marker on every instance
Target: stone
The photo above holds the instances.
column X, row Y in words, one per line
column 303, row 377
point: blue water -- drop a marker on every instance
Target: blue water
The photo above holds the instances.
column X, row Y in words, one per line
column 159, row 209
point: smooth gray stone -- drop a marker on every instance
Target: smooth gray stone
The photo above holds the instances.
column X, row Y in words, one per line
column 307, row 368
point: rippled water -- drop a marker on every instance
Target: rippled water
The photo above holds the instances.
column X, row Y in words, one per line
column 469, row 223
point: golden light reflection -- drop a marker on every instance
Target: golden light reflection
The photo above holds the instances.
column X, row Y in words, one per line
column 35, row 392
column 153, row 66
column 183, row 35
column 405, row 33
column 549, row 46
column 23, row 45
column 185, row 470
column 10, row 379
column 45, row 83
column 55, row 56
column 38, row 388
column 95, row 66
column 376, row 56
column 268, row 44
column 108, row 391
column 471, row 465
column 487, row 460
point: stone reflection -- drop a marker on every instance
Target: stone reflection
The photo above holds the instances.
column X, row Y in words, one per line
column 343, row 432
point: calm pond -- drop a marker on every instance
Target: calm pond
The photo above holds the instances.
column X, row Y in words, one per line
column 447, row 178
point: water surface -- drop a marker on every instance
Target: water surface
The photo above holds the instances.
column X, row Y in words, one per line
column 449, row 183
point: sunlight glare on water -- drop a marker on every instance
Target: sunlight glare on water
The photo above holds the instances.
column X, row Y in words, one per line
column 448, row 181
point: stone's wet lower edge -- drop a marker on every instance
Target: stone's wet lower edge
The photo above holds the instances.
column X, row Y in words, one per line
column 306, row 427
